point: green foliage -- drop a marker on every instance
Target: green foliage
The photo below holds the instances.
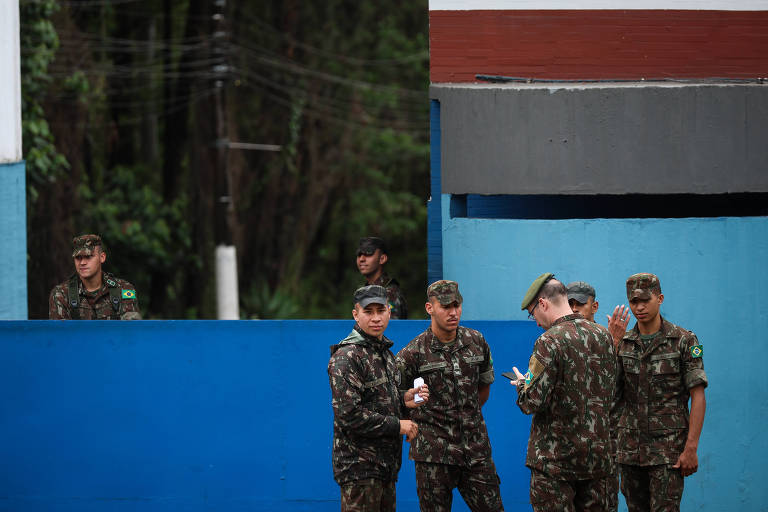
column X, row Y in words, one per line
column 260, row 303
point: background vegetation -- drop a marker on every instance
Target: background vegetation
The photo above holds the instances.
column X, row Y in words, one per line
column 127, row 105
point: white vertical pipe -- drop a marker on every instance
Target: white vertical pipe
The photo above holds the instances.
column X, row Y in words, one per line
column 10, row 83
column 227, row 306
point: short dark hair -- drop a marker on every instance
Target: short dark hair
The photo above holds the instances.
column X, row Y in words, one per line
column 552, row 290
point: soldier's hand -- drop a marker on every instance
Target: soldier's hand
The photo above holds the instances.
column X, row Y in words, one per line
column 687, row 462
column 410, row 396
column 520, row 377
column 409, row 429
column 617, row 323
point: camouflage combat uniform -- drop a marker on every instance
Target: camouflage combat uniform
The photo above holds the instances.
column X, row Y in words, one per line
column 367, row 407
column 397, row 306
column 115, row 300
column 654, row 382
column 569, row 389
column 452, row 448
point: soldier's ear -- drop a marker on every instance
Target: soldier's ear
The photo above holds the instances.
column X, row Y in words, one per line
column 382, row 258
column 102, row 256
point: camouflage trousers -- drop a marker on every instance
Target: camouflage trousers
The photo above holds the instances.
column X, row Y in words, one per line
column 613, row 491
column 435, row 484
column 651, row 488
column 549, row 494
column 368, row 495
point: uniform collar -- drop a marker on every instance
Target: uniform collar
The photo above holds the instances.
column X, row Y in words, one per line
column 572, row 316
column 436, row 344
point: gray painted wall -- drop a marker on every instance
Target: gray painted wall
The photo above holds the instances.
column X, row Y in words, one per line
column 603, row 138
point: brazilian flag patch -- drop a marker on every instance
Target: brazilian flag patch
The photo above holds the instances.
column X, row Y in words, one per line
column 129, row 294
column 697, row 351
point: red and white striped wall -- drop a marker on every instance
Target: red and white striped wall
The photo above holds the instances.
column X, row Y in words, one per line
column 598, row 39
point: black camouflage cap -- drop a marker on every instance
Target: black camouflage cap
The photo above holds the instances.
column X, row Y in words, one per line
column 371, row 294
column 533, row 290
column 640, row 286
column 581, row 291
column 446, row 292
column 83, row 245
column 369, row 244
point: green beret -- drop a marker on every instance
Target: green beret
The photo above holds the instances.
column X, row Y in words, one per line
column 533, row 291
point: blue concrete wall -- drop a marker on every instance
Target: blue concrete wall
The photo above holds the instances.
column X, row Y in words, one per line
column 201, row 415
column 714, row 277
column 13, row 249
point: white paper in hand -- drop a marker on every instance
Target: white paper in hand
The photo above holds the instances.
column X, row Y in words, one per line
column 417, row 383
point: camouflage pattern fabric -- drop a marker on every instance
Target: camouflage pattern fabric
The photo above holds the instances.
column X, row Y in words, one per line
column 569, row 389
column 652, row 488
column 613, row 489
column 653, row 386
column 550, row 494
column 451, row 426
column 397, row 305
column 435, row 484
column 369, row 495
column 94, row 305
column 367, row 408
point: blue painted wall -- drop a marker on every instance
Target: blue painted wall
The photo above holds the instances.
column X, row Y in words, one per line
column 13, row 249
column 201, row 415
column 714, row 276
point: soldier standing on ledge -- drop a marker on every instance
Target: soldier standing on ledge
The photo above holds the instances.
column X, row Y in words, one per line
column 371, row 257
column 90, row 293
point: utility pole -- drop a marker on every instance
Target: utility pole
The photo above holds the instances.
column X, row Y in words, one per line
column 227, row 301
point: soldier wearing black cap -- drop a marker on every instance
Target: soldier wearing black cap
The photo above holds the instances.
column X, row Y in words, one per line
column 371, row 258
column 453, row 449
column 91, row 293
column 661, row 370
column 569, row 388
column 368, row 408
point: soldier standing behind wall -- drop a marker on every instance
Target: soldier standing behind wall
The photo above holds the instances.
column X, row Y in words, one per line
column 453, row 449
column 569, row 388
column 90, row 293
column 661, row 368
column 371, row 258
column 367, row 408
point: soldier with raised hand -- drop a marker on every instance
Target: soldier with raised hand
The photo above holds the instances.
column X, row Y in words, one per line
column 368, row 408
column 661, row 369
column 569, row 388
column 371, row 258
column 453, row 449
column 91, row 293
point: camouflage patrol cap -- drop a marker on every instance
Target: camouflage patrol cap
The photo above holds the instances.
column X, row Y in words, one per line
column 83, row 245
column 446, row 292
column 580, row 291
column 371, row 294
column 535, row 287
column 369, row 244
column 640, row 286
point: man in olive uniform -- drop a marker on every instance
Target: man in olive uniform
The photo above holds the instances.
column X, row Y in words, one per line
column 453, row 449
column 91, row 293
column 569, row 388
column 371, row 257
column 661, row 368
column 368, row 408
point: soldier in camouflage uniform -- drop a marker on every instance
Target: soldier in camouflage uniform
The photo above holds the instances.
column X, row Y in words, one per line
column 90, row 293
column 368, row 408
column 569, row 388
column 453, row 449
column 661, row 368
column 371, row 257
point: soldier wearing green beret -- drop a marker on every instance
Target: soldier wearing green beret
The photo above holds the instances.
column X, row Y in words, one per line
column 661, row 369
column 453, row 449
column 91, row 293
column 371, row 258
column 569, row 388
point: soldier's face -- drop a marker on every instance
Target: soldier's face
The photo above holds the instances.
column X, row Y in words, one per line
column 646, row 310
column 372, row 319
column 445, row 318
column 88, row 266
column 369, row 264
column 587, row 310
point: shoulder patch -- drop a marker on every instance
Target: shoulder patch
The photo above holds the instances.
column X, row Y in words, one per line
column 111, row 282
column 129, row 294
column 535, row 368
column 697, row 351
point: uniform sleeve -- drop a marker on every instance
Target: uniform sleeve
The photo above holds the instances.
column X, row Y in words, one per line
column 397, row 304
column 347, row 401
column 58, row 305
column 486, row 370
column 130, row 302
column 407, row 368
column 541, row 377
column 692, row 359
